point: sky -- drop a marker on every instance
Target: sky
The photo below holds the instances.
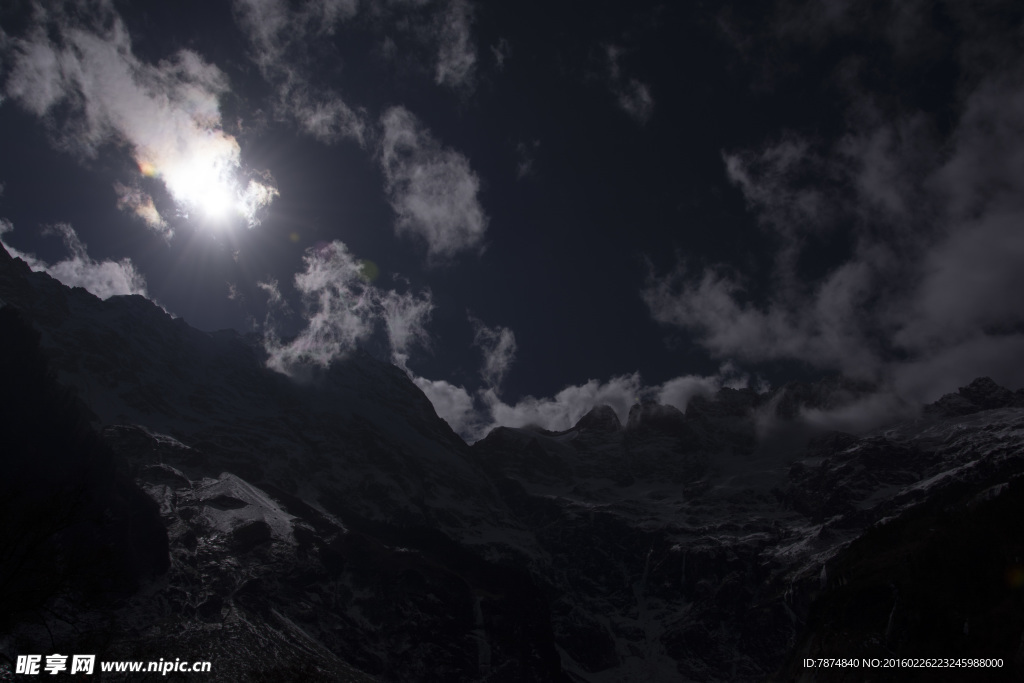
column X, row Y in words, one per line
column 537, row 207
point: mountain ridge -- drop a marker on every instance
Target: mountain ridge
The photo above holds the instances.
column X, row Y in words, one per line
column 343, row 522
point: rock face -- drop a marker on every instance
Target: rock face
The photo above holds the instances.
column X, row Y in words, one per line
column 73, row 524
column 338, row 600
column 337, row 529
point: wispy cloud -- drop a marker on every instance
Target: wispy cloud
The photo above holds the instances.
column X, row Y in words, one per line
column 635, row 99
column 337, row 314
column 498, row 345
column 102, row 278
column 342, row 308
column 769, row 178
column 633, row 96
column 474, row 414
column 280, row 33
column 274, row 299
column 824, row 328
column 678, row 391
column 432, row 189
column 139, row 203
column 501, row 51
column 405, row 319
column 167, row 113
column 453, row 404
column 925, row 298
column 431, row 38
column 456, row 53
column 526, row 153
column 565, row 408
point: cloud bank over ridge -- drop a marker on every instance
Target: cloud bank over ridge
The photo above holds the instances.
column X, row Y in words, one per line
column 101, row 278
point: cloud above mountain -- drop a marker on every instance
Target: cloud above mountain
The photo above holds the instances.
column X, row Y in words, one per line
column 474, row 414
column 104, row 279
column 453, row 404
column 342, row 308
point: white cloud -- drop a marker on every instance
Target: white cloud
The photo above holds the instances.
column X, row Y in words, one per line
column 168, row 114
column 338, row 312
column 280, row 37
column 141, row 204
column 342, row 308
column 565, row 408
column 633, row 96
column 456, row 55
column 769, row 179
column 926, row 299
column 678, row 392
column 101, row 278
column 498, row 345
column 405, row 318
column 452, row 404
column 474, row 415
column 432, row 189
column 274, row 298
column 825, row 328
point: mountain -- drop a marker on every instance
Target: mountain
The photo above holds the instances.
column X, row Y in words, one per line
column 337, row 529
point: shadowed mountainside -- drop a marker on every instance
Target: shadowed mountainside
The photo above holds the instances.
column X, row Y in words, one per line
column 337, row 529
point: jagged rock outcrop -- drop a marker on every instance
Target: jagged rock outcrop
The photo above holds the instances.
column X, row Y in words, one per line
column 981, row 394
column 601, row 419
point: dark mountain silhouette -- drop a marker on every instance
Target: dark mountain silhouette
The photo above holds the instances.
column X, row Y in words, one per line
column 74, row 526
column 166, row 495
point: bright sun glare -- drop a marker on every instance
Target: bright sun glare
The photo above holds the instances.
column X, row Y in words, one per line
column 216, row 202
column 211, row 191
column 203, row 180
column 204, row 184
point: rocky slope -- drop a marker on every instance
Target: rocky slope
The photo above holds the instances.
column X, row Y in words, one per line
column 345, row 490
column 339, row 530
column 683, row 546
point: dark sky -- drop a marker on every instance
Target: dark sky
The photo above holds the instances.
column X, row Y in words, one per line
column 536, row 207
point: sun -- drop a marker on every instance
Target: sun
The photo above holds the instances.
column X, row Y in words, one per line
column 209, row 190
column 203, row 183
column 206, row 182
column 217, row 203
